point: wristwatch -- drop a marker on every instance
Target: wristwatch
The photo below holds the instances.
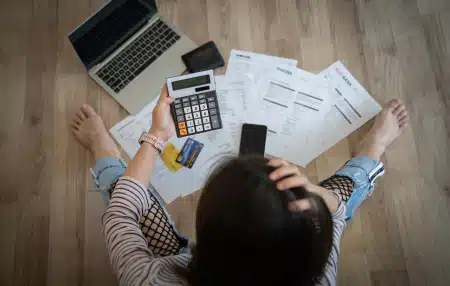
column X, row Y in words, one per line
column 153, row 140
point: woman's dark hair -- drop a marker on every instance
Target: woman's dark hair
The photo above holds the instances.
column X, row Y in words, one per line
column 246, row 234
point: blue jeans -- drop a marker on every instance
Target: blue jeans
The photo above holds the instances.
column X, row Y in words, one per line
column 363, row 171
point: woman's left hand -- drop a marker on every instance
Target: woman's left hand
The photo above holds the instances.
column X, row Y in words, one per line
column 162, row 122
column 293, row 178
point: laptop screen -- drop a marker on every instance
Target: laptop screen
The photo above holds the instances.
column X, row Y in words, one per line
column 110, row 27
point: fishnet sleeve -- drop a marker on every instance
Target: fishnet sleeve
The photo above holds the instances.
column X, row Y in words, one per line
column 161, row 236
column 341, row 186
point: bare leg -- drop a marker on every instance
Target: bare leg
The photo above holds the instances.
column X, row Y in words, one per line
column 388, row 126
column 89, row 129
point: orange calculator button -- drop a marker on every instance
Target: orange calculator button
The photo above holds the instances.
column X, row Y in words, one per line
column 181, row 125
column 183, row 132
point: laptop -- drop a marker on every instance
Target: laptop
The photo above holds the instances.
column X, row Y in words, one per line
column 130, row 50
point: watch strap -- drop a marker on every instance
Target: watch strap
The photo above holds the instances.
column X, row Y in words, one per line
column 153, row 140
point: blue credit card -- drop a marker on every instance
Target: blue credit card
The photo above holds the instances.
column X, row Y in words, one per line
column 189, row 153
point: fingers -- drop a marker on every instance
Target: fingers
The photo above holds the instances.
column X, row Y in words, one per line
column 277, row 162
column 169, row 100
column 284, row 171
column 300, row 205
column 164, row 94
column 292, row 182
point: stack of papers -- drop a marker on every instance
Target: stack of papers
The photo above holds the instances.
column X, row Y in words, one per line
column 305, row 113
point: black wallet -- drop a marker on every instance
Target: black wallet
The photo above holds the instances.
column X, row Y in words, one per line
column 205, row 57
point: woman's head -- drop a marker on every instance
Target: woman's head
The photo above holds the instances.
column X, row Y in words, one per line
column 247, row 234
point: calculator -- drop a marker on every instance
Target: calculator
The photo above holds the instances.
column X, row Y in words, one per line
column 195, row 109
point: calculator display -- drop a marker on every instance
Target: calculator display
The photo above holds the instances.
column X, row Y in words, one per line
column 190, row 82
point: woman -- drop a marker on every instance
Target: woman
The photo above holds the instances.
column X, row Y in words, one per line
column 259, row 222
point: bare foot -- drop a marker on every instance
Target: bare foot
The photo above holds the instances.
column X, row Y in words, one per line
column 89, row 129
column 389, row 125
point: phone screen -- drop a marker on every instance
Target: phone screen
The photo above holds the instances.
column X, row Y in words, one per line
column 253, row 139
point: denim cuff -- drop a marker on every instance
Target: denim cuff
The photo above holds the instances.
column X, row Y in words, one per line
column 362, row 170
column 105, row 173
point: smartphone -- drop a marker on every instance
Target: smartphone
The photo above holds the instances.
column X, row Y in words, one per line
column 253, row 139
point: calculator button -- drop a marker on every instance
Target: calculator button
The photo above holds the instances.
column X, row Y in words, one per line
column 186, row 104
column 177, row 101
column 196, row 114
column 180, row 118
column 194, row 102
column 200, row 96
column 183, row 132
column 185, row 99
column 208, row 126
column 198, row 122
column 191, row 130
column 211, row 98
column 205, row 119
column 212, row 111
column 203, row 106
column 190, row 123
column 199, row 128
column 212, row 104
column 215, row 121
column 195, row 108
column 202, row 101
column 194, row 97
column 177, row 106
column 189, row 116
column 181, row 125
column 187, row 110
column 204, row 113
column 179, row 111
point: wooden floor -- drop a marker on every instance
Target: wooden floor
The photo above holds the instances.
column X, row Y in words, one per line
column 50, row 223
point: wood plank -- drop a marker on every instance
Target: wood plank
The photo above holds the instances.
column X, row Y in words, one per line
column 394, row 48
column 433, row 6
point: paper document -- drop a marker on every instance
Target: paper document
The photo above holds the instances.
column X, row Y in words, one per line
column 128, row 131
column 305, row 113
column 253, row 64
column 277, row 91
column 349, row 107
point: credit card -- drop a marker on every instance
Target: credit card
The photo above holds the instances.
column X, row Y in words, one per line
column 189, row 153
column 169, row 157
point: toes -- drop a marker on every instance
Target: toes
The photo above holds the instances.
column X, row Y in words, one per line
column 88, row 110
column 76, row 120
column 404, row 125
column 75, row 125
column 402, row 114
column 394, row 103
column 400, row 108
column 403, row 120
column 81, row 115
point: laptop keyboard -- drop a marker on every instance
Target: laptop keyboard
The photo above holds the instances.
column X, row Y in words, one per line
column 137, row 56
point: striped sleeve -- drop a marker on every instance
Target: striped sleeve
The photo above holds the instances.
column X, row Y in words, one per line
column 127, row 247
column 330, row 274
